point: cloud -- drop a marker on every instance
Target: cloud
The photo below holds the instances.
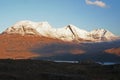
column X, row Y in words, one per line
column 97, row 3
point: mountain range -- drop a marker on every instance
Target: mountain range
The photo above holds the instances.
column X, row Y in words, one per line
column 39, row 40
column 67, row 33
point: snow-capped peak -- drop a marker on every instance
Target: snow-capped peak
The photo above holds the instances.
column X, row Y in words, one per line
column 28, row 27
column 78, row 33
column 67, row 33
column 102, row 34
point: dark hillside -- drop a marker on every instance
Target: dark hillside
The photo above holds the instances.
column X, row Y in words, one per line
column 46, row 70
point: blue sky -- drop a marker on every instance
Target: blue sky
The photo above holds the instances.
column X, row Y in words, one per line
column 85, row 14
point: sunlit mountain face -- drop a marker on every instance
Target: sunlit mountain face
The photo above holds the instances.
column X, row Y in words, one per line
column 68, row 33
column 39, row 40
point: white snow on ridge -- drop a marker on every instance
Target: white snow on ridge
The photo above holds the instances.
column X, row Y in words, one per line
column 102, row 34
column 67, row 33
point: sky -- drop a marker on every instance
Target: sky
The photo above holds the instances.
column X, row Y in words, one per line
column 85, row 14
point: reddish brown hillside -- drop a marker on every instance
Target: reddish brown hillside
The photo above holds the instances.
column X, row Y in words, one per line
column 29, row 46
column 17, row 46
column 113, row 51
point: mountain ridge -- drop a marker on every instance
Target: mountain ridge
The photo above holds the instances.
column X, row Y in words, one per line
column 67, row 33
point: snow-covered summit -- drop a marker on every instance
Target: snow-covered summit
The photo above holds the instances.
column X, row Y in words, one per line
column 102, row 34
column 28, row 27
column 67, row 33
